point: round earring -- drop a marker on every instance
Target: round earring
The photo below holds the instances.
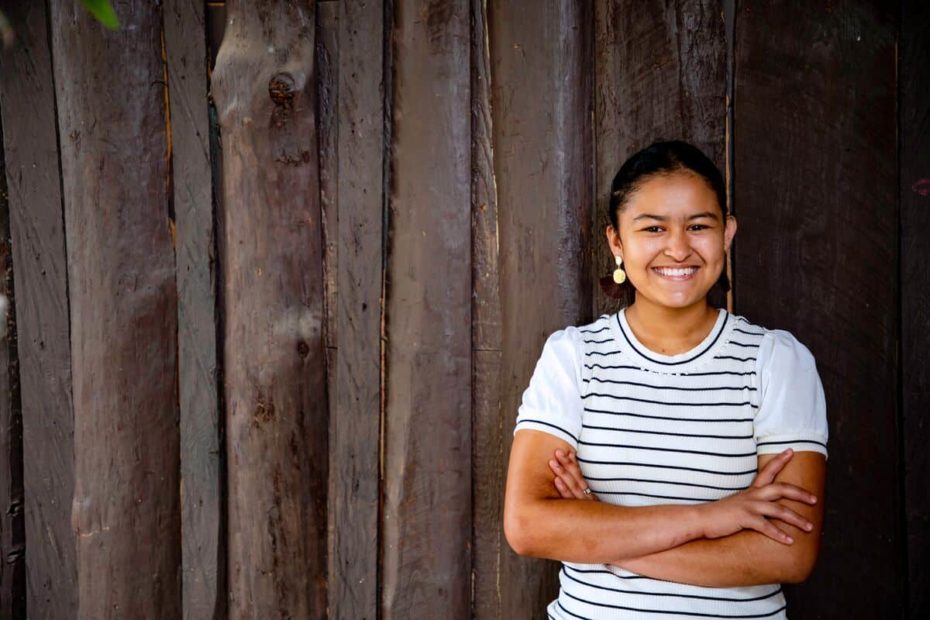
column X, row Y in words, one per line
column 619, row 274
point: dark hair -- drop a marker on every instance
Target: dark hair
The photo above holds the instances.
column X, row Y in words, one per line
column 659, row 159
column 662, row 158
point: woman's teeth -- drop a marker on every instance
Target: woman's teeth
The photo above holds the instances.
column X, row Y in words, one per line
column 675, row 272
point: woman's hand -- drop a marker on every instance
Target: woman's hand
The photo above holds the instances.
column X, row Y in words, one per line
column 752, row 508
column 568, row 479
column 755, row 507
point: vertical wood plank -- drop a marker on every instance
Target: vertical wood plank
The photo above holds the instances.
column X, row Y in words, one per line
column 815, row 189
column 914, row 132
column 274, row 361
column 356, row 425
column 488, row 465
column 202, row 514
column 427, row 440
column 661, row 75
column 12, row 530
column 123, row 309
column 27, row 103
column 541, row 86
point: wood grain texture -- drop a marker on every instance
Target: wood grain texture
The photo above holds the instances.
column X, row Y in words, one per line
column 274, row 363
column 661, row 75
column 427, row 435
column 12, row 530
column 488, row 464
column 815, row 189
column 541, row 85
column 203, row 573
column 27, row 103
column 123, row 310
column 356, row 423
column 914, row 132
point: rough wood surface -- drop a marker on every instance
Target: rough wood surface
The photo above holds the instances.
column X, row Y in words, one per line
column 202, row 512
column 488, row 465
column 27, row 103
column 274, row 364
column 815, row 189
column 12, row 531
column 661, row 75
column 123, row 310
column 541, row 86
column 427, row 436
column 356, row 424
column 914, row 132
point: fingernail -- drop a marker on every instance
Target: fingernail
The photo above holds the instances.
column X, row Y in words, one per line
column 789, row 539
column 559, row 453
column 813, row 499
column 809, row 527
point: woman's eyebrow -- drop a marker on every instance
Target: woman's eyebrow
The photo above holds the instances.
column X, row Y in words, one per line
column 662, row 218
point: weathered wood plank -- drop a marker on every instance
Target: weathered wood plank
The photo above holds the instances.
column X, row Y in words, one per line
column 541, row 86
column 274, row 363
column 12, row 530
column 123, row 308
column 202, row 513
column 427, row 436
column 661, row 75
column 914, row 132
column 815, row 189
column 488, row 465
column 356, row 425
column 27, row 102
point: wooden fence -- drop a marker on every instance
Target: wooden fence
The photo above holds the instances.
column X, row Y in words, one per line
column 275, row 301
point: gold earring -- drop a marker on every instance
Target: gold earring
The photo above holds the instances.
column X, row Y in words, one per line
column 619, row 274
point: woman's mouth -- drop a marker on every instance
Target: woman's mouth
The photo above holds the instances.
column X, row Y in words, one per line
column 676, row 273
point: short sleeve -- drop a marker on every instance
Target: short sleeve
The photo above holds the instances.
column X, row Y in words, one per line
column 792, row 411
column 552, row 402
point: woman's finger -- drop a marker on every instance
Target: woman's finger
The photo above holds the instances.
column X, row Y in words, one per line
column 565, row 478
column 784, row 490
column 563, row 490
column 773, row 510
column 766, row 527
column 768, row 473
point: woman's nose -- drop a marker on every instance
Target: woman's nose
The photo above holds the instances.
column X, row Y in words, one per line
column 678, row 247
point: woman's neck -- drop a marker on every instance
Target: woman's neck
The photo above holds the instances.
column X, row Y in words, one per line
column 670, row 331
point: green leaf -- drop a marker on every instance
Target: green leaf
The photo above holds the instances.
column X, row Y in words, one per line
column 103, row 12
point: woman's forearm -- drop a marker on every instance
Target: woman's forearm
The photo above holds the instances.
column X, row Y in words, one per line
column 596, row 532
column 743, row 559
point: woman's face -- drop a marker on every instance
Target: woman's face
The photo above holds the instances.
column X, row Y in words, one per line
column 673, row 239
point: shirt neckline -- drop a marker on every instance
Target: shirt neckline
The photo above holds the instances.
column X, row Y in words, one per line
column 669, row 363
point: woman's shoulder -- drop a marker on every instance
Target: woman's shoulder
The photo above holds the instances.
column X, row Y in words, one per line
column 775, row 345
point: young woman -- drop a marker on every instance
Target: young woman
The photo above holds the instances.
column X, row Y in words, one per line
column 702, row 434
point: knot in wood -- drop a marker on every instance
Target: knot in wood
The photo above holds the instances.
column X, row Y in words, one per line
column 281, row 89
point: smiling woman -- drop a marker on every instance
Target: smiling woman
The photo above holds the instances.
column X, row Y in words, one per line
column 702, row 435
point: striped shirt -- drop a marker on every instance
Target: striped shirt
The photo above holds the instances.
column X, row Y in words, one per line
column 682, row 429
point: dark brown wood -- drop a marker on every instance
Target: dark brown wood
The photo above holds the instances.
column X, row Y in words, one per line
column 661, row 75
column 815, row 191
column 914, row 132
column 488, row 465
column 12, row 530
column 541, row 88
column 427, row 436
column 203, row 559
column 275, row 377
column 356, row 424
column 27, row 102
column 123, row 305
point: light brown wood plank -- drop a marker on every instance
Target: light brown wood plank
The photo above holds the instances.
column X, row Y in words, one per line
column 274, row 360
column 123, row 310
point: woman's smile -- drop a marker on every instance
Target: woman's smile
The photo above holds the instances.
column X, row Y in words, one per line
column 676, row 274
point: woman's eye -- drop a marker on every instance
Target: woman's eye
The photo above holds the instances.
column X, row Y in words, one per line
column 652, row 229
column 699, row 227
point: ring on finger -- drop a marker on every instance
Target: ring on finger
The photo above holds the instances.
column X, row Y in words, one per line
column 587, row 491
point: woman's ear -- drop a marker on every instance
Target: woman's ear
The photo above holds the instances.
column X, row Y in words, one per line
column 613, row 240
column 729, row 232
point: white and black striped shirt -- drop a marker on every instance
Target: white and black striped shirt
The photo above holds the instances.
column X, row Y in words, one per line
column 655, row 429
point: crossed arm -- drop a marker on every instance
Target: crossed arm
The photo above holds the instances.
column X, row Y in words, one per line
column 730, row 542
